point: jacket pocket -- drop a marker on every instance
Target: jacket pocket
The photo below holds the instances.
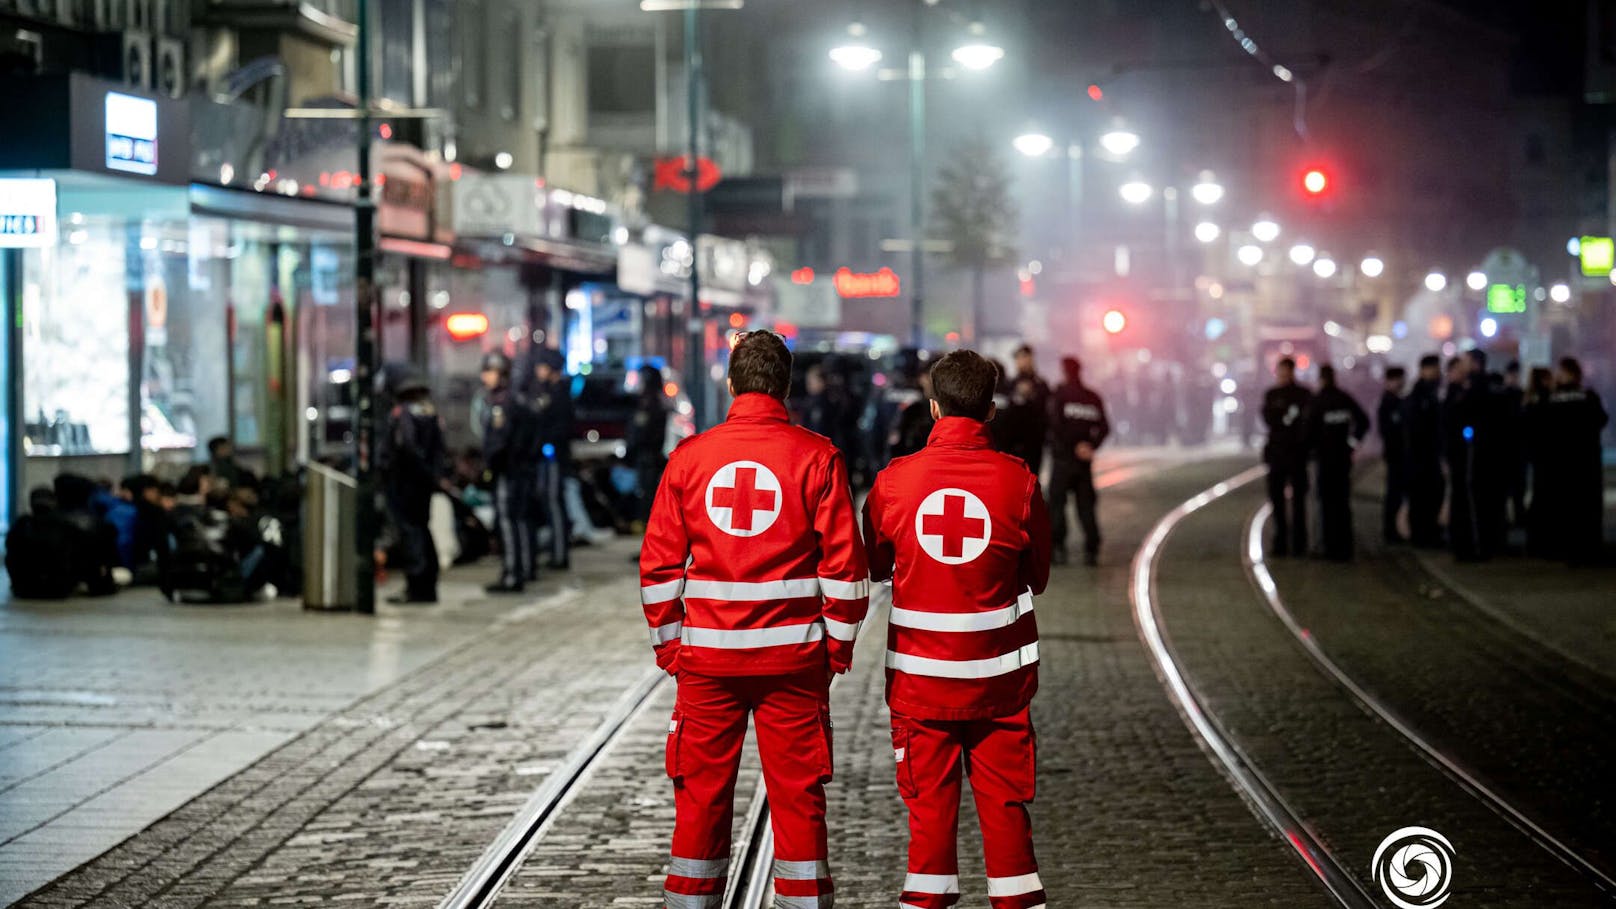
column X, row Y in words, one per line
column 676, row 731
column 901, row 756
column 1027, row 785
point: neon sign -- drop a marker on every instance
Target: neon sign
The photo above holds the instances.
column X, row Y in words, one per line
column 852, row 284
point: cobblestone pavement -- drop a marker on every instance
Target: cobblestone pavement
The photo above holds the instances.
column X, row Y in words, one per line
column 1536, row 727
column 390, row 800
column 114, row 712
column 1351, row 778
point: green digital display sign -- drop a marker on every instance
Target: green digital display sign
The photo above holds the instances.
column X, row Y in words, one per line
column 1506, row 298
column 1598, row 255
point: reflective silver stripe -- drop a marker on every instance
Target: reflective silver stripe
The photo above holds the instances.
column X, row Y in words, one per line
column 822, row 901
column 742, row 638
column 651, row 594
column 662, row 634
column 963, row 621
column 746, row 591
column 1014, row 886
column 845, row 590
column 842, row 631
column 699, row 868
column 801, row 871
column 964, row 669
column 692, row 900
column 931, row 883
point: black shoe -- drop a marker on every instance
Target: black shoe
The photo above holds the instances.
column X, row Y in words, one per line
column 1058, row 556
column 504, row 586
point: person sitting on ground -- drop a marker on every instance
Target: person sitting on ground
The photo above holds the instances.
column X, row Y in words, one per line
column 208, row 558
column 144, row 492
column 116, row 509
column 39, row 551
column 223, row 465
column 94, row 541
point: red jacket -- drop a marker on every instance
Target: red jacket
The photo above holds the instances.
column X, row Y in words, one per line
column 968, row 531
column 752, row 563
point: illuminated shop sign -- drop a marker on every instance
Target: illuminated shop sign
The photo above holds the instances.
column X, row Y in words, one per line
column 883, row 283
column 1506, row 298
column 1598, row 255
column 27, row 212
column 131, row 134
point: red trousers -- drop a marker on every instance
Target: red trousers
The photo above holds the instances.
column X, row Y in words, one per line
column 704, row 755
column 998, row 755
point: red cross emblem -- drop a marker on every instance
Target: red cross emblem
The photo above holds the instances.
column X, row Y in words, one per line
column 952, row 526
column 743, row 498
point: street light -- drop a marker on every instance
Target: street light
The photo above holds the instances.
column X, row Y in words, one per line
column 1324, row 267
column 855, row 54
column 978, row 54
column 1206, row 232
column 1266, row 230
column 1371, row 266
column 1033, row 145
column 1560, row 293
column 1207, row 190
column 1436, row 282
column 1136, row 192
column 1249, row 255
column 1476, row 280
column 1302, row 254
column 1119, row 141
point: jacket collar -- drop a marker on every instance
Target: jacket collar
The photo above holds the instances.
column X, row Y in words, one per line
column 754, row 407
column 960, row 432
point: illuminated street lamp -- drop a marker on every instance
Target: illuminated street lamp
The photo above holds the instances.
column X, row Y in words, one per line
column 1119, row 141
column 1207, row 232
column 1136, row 192
column 1324, row 267
column 1436, row 282
column 856, row 54
column 1033, row 145
column 1371, row 266
column 1560, row 293
column 1207, row 190
column 1301, row 254
column 1266, row 230
column 1476, row 280
column 1249, row 255
column 977, row 53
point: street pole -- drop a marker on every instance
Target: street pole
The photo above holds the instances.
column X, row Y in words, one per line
column 695, row 361
column 364, row 330
column 917, row 184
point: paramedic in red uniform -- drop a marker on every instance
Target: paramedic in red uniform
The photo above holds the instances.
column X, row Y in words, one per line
column 754, row 583
column 963, row 532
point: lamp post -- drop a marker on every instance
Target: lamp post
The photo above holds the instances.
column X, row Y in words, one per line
column 365, row 530
column 1117, row 144
column 975, row 54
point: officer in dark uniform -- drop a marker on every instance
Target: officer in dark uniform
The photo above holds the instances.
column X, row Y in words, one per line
column 647, row 438
column 1284, row 411
column 913, row 424
column 1422, row 422
column 1575, row 419
column 1026, row 413
column 508, row 453
column 1494, row 425
column 1512, row 397
column 1462, row 411
column 1079, row 428
column 1393, row 450
column 553, row 415
column 1335, row 426
column 413, row 458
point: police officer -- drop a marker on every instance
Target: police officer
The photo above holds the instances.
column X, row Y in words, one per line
column 413, row 457
column 1335, row 426
column 1575, row 419
column 1079, row 428
column 1461, row 418
column 1284, row 411
column 647, row 438
column 1422, row 422
column 1025, row 417
column 551, row 400
column 1393, row 450
column 508, row 453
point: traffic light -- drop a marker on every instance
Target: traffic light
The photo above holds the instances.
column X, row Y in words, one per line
column 1114, row 321
column 1315, row 181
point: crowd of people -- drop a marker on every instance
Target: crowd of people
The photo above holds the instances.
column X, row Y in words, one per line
column 1490, row 452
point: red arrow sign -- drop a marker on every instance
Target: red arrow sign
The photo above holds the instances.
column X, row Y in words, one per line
column 674, row 174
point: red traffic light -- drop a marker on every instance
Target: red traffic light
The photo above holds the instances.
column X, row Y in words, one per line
column 1315, row 181
column 1113, row 321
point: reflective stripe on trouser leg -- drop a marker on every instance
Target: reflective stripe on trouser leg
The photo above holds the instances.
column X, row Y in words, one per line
column 704, row 758
column 791, row 716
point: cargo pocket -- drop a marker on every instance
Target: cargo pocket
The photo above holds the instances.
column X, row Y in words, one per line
column 676, row 731
column 900, row 755
column 827, row 767
column 1027, row 786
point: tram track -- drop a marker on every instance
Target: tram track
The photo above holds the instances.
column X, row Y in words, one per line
column 1276, row 805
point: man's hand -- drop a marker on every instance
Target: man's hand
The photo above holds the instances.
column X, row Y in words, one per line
column 1084, row 451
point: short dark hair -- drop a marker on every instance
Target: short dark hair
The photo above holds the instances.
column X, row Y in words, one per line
column 1395, row 372
column 1430, row 361
column 1326, row 374
column 760, row 363
column 1024, row 349
column 962, row 384
column 1478, row 357
column 1286, row 362
column 1072, row 369
column 216, row 443
column 1571, row 367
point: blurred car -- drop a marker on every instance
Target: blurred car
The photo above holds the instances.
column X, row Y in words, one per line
column 603, row 402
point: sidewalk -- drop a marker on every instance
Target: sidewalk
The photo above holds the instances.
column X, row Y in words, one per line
column 114, row 712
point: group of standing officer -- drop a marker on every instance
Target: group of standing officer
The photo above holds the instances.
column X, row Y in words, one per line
column 1527, row 456
column 755, row 581
column 1324, row 427
column 526, row 432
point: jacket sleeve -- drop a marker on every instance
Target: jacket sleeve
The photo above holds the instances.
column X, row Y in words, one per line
column 1035, row 558
column 1103, row 429
column 877, row 548
column 844, row 574
column 1360, row 422
column 663, row 557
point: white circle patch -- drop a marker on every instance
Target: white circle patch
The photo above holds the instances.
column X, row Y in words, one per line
column 953, row 526
column 743, row 498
